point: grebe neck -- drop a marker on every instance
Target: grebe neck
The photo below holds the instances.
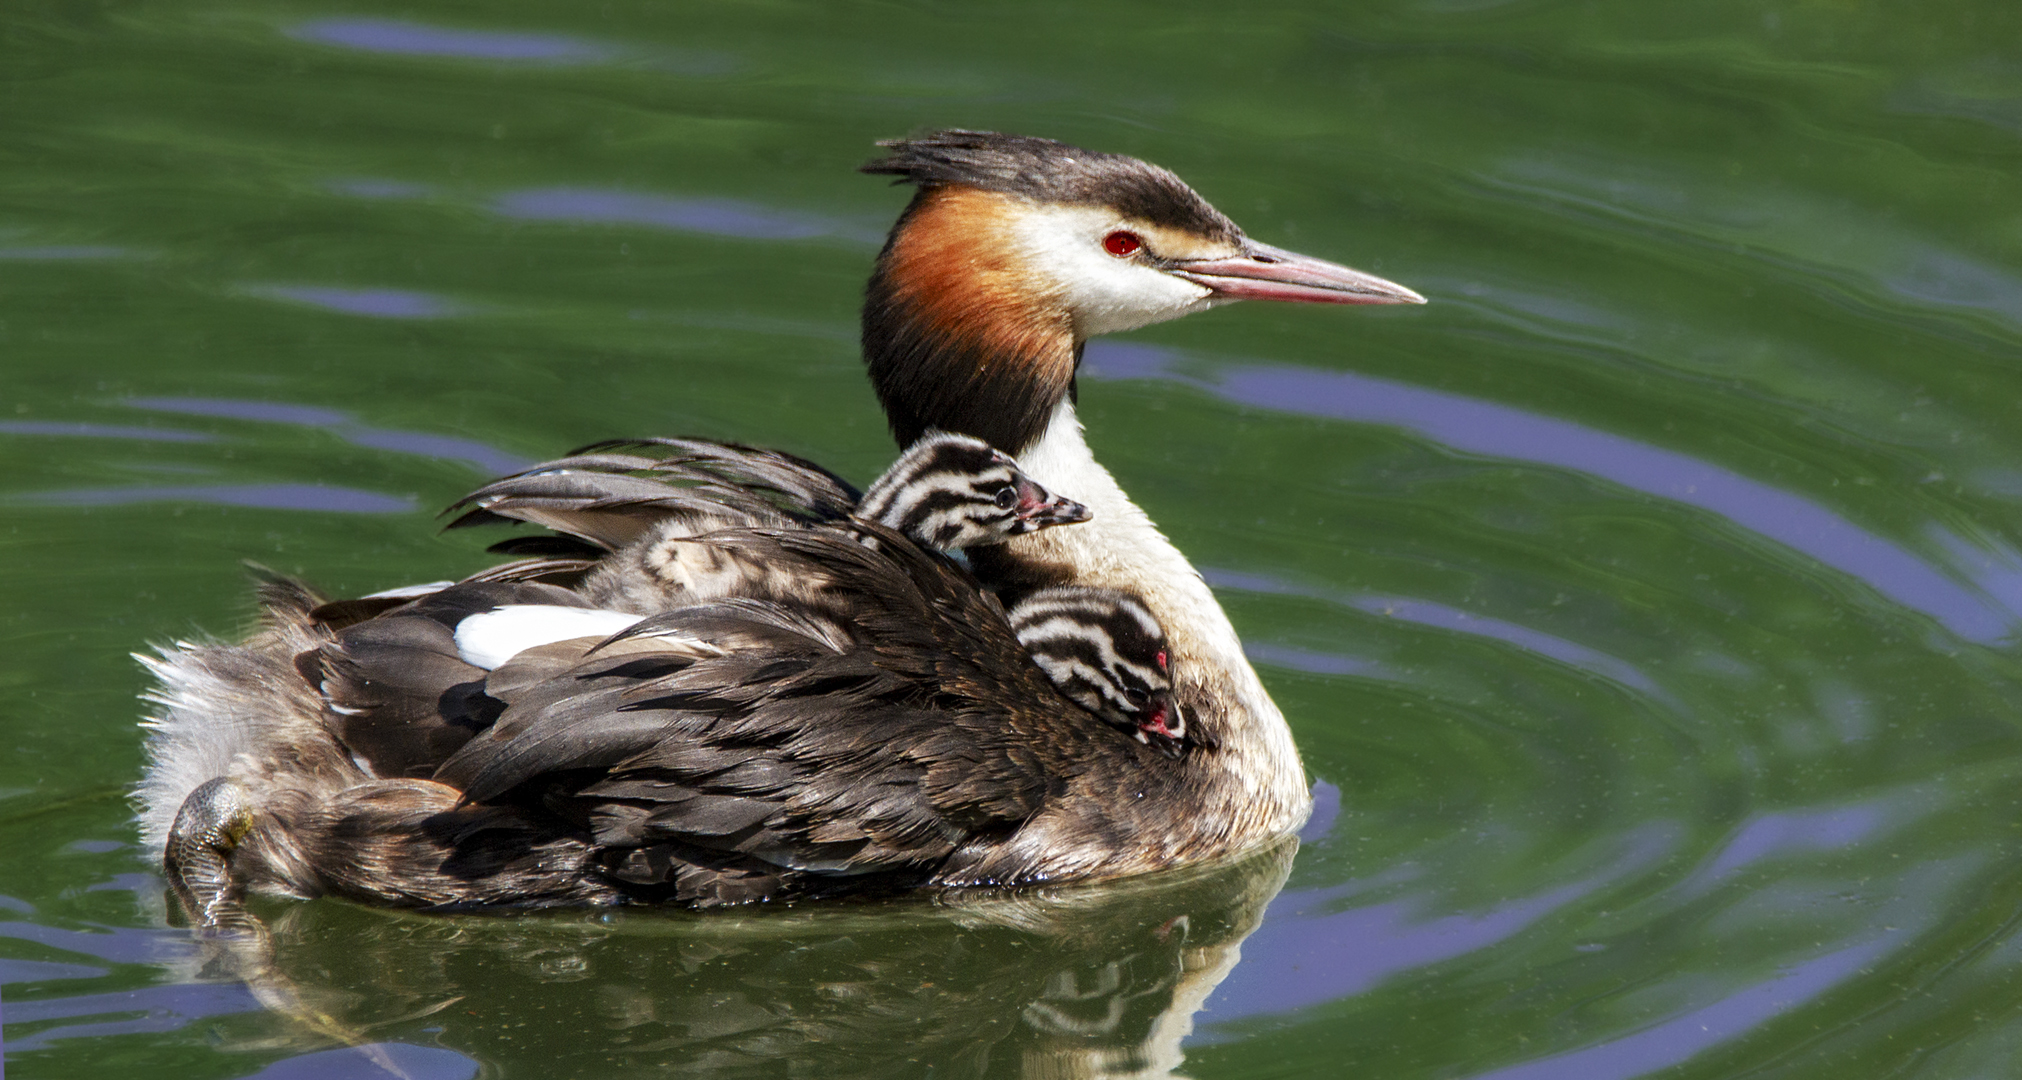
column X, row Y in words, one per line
column 954, row 336
column 1120, row 548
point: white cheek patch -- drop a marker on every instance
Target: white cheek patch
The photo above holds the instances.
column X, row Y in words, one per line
column 1105, row 293
column 491, row 638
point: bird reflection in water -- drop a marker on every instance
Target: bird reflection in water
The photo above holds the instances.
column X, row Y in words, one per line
column 1082, row 981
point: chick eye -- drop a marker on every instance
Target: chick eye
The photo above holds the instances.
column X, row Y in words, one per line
column 1007, row 497
column 1122, row 244
column 1137, row 698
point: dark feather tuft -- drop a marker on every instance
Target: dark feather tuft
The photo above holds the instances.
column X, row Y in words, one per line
column 1050, row 171
column 609, row 494
column 551, row 546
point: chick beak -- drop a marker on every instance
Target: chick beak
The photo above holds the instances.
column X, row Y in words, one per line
column 1039, row 508
column 1263, row 272
column 1163, row 726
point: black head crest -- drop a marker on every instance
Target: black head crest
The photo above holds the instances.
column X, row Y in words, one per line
column 1049, row 171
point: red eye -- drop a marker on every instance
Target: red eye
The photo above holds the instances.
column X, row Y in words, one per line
column 1121, row 243
column 1161, row 659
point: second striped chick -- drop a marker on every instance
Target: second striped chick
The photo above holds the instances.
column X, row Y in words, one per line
column 1103, row 649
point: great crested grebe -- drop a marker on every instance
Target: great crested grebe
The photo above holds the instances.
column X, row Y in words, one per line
column 866, row 722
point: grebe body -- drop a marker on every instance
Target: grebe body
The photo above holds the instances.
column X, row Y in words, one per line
column 723, row 683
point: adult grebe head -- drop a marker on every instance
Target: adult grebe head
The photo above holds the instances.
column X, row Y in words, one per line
column 1015, row 250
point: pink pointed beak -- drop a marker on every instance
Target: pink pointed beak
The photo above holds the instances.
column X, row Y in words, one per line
column 1263, row 272
column 1040, row 508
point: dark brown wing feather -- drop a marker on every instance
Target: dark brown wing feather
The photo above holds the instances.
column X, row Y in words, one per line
column 794, row 482
column 610, row 493
column 744, row 749
column 553, row 570
column 397, row 693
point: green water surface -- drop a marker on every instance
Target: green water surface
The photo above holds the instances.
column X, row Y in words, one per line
column 1645, row 606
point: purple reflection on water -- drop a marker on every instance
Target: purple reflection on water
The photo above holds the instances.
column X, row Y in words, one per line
column 377, row 303
column 719, row 217
column 20, row 971
column 1318, row 663
column 417, row 1062
column 1326, row 811
column 137, row 884
column 92, row 847
column 1129, row 360
column 162, row 1008
column 417, row 39
column 1502, row 431
column 1993, row 564
column 99, row 431
column 266, row 412
column 1768, row 835
column 485, row 458
column 1673, row 1041
column 1936, row 276
column 1306, row 953
column 1929, row 97
column 1428, row 613
column 435, row 446
column 1823, row 244
column 262, row 496
column 121, row 945
column 366, row 187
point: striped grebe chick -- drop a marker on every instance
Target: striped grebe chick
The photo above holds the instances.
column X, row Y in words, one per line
column 954, row 492
column 1106, row 651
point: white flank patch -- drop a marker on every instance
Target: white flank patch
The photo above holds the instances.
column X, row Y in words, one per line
column 409, row 592
column 491, row 638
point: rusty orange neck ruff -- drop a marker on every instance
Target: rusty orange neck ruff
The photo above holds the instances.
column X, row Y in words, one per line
column 958, row 331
